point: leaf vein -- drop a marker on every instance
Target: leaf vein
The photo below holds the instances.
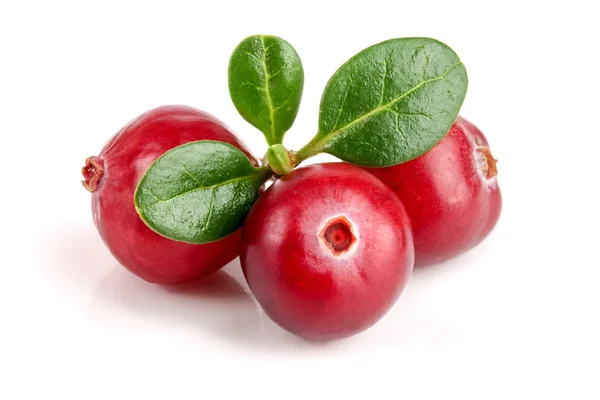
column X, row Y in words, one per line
column 253, row 85
column 280, row 106
column 276, row 73
column 210, row 211
column 232, row 180
column 157, row 197
column 385, row 73
column 400, row 131
column 168, row 210
column 188, row 173
column 269, row 100
column 426, row 66
column 343, row 102
column 412, row 114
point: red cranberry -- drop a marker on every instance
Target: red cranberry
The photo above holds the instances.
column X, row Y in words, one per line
column 112, row 178
column 327, row 250
column 451, row 193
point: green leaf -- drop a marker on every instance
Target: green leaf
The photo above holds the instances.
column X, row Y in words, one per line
column 390, row 103
column 199, row 192
column 265, row 83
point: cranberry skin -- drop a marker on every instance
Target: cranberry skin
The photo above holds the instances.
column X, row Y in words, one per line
column 113, row 177
column 327, row 250
column 451, row 193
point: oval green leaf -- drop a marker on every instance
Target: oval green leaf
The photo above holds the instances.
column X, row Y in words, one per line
column 199, row 192
column 390, row 103
column 266, row 80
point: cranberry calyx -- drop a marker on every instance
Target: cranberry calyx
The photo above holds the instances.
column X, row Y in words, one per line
column 486, row 163
column 338, row 235
column 92, row 173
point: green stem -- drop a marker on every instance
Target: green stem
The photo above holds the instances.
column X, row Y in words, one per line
column 265, row 173
column 311, row 149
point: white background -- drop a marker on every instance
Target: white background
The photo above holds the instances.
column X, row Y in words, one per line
column 515, row 318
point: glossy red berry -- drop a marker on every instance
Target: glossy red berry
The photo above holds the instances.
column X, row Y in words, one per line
column 327, row 250
column 113, row 175
column 451, row 193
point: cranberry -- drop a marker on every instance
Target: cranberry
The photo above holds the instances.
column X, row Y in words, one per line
column 112, row 178
column 451, row 193
column 327, row 250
